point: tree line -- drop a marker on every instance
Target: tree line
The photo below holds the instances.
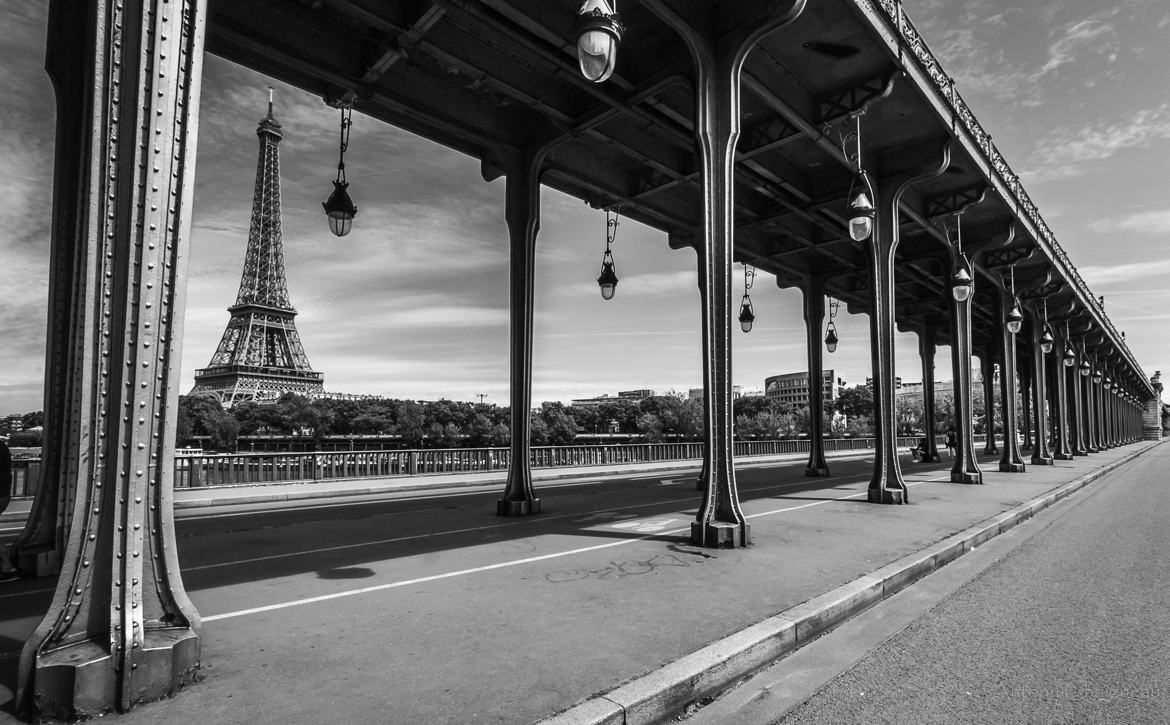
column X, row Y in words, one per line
column 203, row 422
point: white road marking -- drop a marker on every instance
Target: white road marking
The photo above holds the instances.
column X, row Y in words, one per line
column 492, row 567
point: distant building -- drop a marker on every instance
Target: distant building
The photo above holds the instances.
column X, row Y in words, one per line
column 793, row 388
column 945, row 386
column 736, row 393
column 626, row 396
column 11, row 424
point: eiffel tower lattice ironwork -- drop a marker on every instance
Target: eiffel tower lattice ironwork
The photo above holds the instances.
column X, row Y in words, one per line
column 260, row 354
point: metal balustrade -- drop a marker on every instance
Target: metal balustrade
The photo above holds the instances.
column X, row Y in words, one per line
column 235, row 469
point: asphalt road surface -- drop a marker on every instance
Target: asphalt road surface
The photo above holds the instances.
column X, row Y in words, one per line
column 1067, row 623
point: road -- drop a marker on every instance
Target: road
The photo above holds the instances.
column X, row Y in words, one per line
column 1065, row 619
column 429, row 608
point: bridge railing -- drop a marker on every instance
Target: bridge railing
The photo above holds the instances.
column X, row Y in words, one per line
column 232, row 469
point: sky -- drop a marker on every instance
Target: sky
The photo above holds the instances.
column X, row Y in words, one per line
column 413, row 303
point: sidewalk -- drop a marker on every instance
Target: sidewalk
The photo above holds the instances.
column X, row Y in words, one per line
column 598, row 609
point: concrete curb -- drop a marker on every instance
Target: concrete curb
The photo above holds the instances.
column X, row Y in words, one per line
column 662, row 694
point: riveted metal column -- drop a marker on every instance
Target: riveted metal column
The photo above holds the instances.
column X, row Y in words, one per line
column 987, row 365
column 965, row 468
column 1091, row 426
column 1010, row 461
column 1025, row 383
column 1041, row 455
column 814, row 316
column 926, row 350
column 1076, row 416
column 522, row 212
column 886, row 484
column 120, row 629
column 1060, row 425
column 720, row 522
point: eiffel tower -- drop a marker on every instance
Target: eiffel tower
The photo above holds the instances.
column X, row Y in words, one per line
column 260, row 354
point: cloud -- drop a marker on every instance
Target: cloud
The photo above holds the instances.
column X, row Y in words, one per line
column 1146, row 222
column 1072, row 150
column 1099, row 275
column 1077, row 36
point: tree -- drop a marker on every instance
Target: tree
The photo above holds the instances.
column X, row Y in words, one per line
column 32, row 420
column 650, row 427
column 561, row 428
column 202, row 417
column 856, row 401
column 409, row 423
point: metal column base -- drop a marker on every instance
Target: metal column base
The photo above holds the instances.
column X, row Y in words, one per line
column 816, row 471
column 720, row 535
column 1063, row 456
column 517, row 508
column 78, row 681
column 968, row 478
column 1011, row 467
column 887, row 495
column 1037, row 461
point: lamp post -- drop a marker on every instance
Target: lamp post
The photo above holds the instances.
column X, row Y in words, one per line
column 747, row 315
column 339, row 207
column 608, row 278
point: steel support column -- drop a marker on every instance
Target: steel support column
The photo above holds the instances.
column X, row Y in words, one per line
column 1010, row 461
column 1060, row 425
column 718, row 63
column 987, row 365
column 1025, row 382
column 522, row 212
column 927, row 347
column 886, row 484
column 1076, row 416
column 965, row 468
column 1041, row 455
column 120, row 629
column 814, row 316
column 1091, row 407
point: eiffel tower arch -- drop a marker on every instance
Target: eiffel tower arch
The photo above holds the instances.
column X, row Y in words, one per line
column 260, row 355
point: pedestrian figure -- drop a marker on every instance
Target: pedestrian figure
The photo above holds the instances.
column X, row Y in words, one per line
column 952, row 441
column 919, row 450
column 8, row 572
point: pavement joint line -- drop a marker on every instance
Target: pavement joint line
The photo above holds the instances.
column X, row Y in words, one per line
column 662, row 693
column 488, row 567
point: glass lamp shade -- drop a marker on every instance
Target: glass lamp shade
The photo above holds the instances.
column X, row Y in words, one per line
column 1014, row 319
column 340, row 209
column 746, row 316
column 1097, row 377
column 961, row 283
column 1085, row 368
column 1070, row 357
column 1046, row 341
column 861, row 212
column 599, row 32
column 608, row 279
column 831, row 339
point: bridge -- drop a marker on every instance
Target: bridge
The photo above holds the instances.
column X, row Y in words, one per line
column 820, row 142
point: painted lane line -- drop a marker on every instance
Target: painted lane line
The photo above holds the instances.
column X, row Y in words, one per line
column 342, row 547
column 488, row 567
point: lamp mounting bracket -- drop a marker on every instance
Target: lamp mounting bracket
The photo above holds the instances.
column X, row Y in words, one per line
column 855, row 100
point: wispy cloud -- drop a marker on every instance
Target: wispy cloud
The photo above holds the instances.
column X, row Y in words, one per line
column 1069, row 151
column 1146, row 222
column 1099, row 275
